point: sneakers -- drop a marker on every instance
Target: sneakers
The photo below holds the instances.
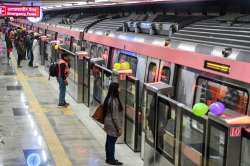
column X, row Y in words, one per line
column 116, row 162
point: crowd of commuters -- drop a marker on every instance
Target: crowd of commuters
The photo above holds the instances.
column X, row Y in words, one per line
column 26, row 44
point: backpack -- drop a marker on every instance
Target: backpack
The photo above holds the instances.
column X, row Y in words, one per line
column 53, row 70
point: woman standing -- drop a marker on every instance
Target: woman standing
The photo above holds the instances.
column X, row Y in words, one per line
column 112, row 122
column 36, row 51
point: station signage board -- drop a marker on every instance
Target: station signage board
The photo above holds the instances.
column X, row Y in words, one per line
column 20, row 11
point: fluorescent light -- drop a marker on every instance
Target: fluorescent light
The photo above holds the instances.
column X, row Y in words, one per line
column 69, row 4
column 58, row 5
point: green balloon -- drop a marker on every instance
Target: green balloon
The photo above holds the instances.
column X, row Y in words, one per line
column 200, row 109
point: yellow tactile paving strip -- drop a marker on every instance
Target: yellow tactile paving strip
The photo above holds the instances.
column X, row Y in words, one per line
column 59, row 155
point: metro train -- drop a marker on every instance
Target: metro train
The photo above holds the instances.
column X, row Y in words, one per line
column 175, row 64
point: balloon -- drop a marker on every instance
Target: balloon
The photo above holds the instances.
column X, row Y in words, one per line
column 56, row 47
column 125, row 66
column 200, row 109
column 217, row 108
column 117, row 66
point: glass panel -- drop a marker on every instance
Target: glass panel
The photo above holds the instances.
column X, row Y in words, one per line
column 234, row 98
column 245, row 153
column 97, row 93
column 192, row 142
column 131, row 60
column 86, row 74
column 150, row 118
column 166, row 129
column 130, row 94
column 216, row 147
column 151, row 72
column 165, row 74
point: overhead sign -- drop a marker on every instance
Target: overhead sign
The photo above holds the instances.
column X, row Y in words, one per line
column 20, row 11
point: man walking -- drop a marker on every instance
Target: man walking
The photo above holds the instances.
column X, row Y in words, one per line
column 63, row 73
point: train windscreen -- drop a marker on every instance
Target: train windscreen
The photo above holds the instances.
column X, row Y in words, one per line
column 209, row 91
column 132, row 60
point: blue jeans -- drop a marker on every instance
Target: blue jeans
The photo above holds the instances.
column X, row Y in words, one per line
column 110, row 148
column 62, row 90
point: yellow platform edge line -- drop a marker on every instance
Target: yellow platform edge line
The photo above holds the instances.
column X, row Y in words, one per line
column 59, row 155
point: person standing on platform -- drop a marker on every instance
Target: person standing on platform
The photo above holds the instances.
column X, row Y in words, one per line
column 63, row 73
column 29, row 43
column 112, row 122
column 9, row 35
column 36, row 51
column 20, row 46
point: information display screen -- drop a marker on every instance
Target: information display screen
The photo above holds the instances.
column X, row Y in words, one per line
column 20, row 11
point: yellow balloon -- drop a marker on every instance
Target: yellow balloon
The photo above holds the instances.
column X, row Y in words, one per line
column 117, row 66
column 125, row 66
column 56, row 47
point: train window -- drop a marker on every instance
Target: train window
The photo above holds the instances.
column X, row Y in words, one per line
column 209, row 91
column 192, row 141
column 150, row 119
column 216, row 147
column 166, row 129
column 97, row 92
column 99, row 52
column 132, row 60
column 165, row 74
column 93, row 51
column 151, row 72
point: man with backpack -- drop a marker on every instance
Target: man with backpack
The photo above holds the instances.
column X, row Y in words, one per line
column 63, row 73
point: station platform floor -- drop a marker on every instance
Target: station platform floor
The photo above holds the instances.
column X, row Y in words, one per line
column 35, row 131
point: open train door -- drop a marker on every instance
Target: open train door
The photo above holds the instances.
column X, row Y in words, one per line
column 133, row 123
column 224, row 139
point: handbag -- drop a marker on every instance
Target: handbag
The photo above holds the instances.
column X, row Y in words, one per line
column 99, row 114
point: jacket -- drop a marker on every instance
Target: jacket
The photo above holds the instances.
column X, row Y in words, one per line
column 112, row 126
column 63, row 69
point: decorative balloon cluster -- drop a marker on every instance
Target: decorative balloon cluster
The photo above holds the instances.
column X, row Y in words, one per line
column 200, row 109
column 121, row 66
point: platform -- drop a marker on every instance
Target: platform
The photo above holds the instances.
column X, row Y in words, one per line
column 34, row 129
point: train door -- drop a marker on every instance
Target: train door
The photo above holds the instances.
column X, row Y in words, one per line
column 151, row 90
column 225, row 139
column 132, row 114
